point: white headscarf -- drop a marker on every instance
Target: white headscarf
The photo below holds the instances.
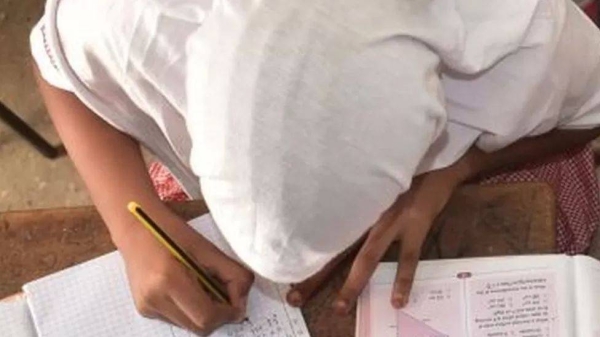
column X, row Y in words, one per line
column 304, row 120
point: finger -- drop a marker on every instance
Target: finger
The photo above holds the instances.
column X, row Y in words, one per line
column 238, row 290
column 199, row 307
column 378, row 240
column 236, row 278
column 163, row 308
column 408, row 259
column 171, row 313
column 302, row 292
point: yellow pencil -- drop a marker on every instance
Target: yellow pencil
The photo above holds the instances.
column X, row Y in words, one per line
column 211, row 285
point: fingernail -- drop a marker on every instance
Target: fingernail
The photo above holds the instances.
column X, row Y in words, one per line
column 398, row 301
column 294, row 298
column 340, row 306
column 241, row 318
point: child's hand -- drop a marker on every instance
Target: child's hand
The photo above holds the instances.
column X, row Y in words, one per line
column 408, row 220
column 163, row 288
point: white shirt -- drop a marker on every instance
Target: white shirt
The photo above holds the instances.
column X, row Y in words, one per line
column 303, row 120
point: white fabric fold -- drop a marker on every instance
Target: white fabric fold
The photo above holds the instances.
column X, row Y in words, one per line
column 303, row 120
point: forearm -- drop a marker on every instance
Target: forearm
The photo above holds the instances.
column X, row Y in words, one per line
column 477, row 163
column 110, row 162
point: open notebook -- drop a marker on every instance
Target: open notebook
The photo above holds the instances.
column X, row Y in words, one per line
column 526, row 296
column 93, row 299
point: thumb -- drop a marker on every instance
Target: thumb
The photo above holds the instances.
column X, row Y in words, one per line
column 238, row 289
column 303, row 291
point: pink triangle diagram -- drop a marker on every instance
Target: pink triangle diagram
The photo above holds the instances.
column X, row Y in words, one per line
column 409, row 326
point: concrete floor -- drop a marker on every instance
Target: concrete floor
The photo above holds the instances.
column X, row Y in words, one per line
column 27, row 179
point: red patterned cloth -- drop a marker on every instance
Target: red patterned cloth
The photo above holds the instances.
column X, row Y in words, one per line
column 165, row 184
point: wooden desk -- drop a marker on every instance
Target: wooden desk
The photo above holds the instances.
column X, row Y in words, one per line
column 479, row 221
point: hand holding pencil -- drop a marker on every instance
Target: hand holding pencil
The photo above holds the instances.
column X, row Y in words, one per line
column 194, row 286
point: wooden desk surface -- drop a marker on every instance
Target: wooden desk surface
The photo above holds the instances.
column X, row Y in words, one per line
column 479, row 221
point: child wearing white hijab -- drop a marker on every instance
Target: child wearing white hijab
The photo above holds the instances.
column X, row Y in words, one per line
column 303, row 124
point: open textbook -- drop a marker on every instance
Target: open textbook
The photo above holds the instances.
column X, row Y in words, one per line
column 93, row 299
column 528, row 296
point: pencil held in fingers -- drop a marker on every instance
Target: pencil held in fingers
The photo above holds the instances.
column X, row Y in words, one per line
column 200, row 309
column 211, row 285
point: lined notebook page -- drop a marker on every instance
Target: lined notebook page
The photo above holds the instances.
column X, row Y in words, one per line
column 15, row 320
column 93, row 299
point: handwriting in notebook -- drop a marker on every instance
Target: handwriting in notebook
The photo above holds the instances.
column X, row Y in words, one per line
column 269, row 326
column 268, row 313
column 93, row 299
column 513, row 305
column 272, row 319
